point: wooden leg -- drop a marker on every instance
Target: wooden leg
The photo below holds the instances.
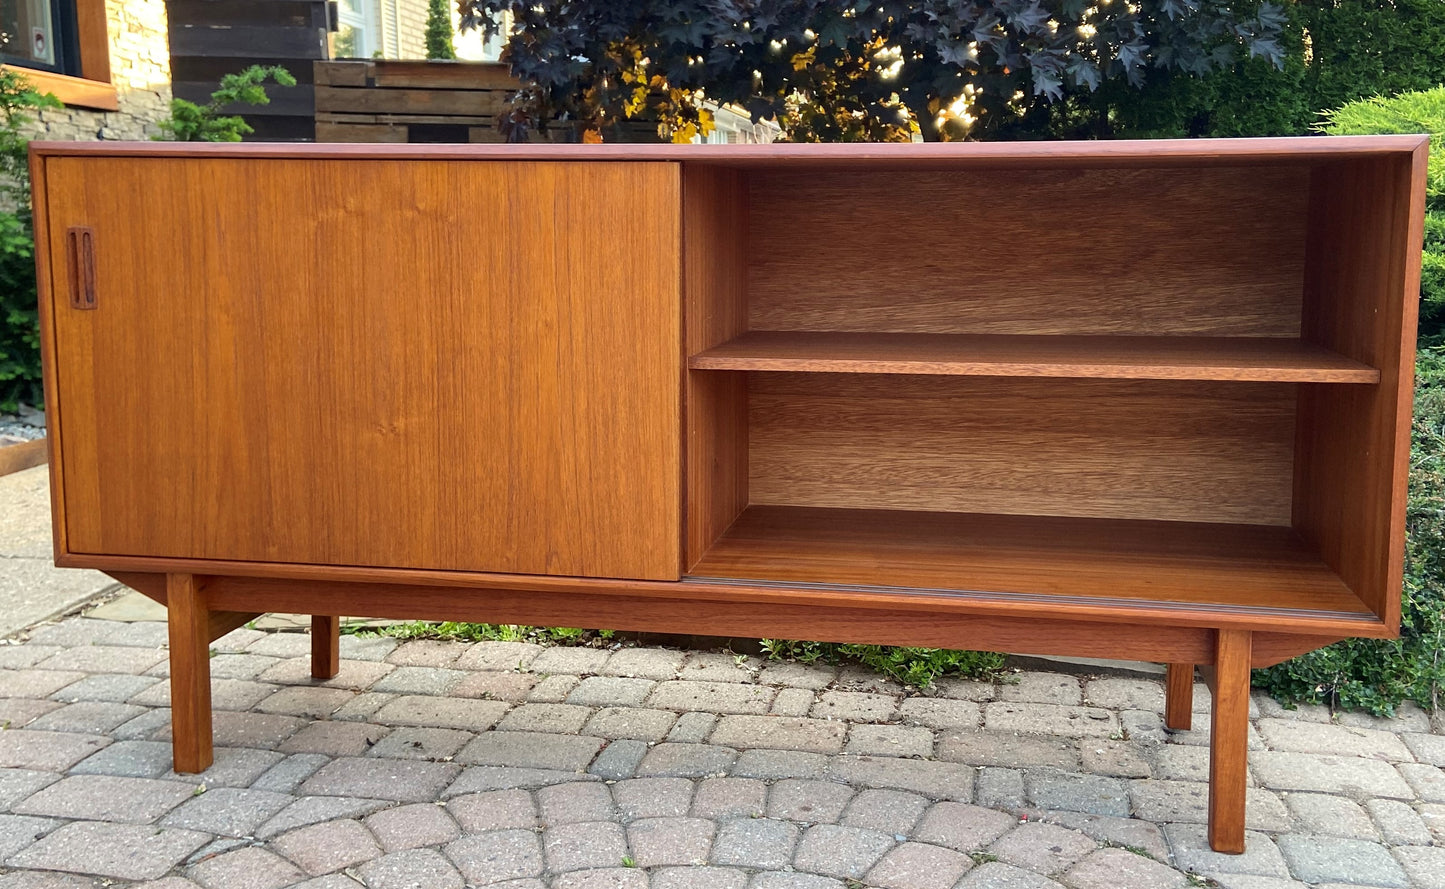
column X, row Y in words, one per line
column 1179, row 697
column 325, row 646
column 189, row 623
column 1229, row 742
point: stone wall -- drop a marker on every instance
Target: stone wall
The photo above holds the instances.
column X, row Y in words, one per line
column 140, row 68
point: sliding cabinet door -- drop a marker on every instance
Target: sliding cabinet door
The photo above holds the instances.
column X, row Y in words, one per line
column 446, row 365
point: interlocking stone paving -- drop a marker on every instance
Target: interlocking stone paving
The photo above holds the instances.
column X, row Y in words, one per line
column 443, row 764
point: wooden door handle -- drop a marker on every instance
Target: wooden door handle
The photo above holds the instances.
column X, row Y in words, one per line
column 80, row 239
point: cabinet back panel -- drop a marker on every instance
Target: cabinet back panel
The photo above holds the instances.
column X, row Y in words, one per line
column 1208, row 251
column 1202, row 452
column 402, row 364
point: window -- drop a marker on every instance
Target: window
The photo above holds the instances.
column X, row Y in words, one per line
column 39, row 34
column 352, row 39
column 63, row 47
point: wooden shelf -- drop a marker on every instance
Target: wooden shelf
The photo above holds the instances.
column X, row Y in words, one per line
column 1264, row 359
column 1146, row 564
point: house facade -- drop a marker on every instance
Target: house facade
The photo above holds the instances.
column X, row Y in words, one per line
column 396, row 29
column 107, row 60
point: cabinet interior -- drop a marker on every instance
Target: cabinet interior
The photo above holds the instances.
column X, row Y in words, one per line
column 1143, row 383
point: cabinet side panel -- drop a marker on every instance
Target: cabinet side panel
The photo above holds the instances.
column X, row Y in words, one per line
column 715, row 227
column 1195, row 452
column 45, row 292
column 1362, row 291
column 465, row 366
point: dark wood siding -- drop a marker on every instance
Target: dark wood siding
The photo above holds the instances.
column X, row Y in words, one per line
column 212, row 38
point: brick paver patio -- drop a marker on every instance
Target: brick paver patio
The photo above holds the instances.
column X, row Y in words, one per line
column 431, row 764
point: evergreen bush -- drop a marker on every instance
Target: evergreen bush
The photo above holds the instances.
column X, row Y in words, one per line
column 190, row 122
column 439, row 30
column 1336, row 52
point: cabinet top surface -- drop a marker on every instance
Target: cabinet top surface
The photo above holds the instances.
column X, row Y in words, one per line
column 1171, row 152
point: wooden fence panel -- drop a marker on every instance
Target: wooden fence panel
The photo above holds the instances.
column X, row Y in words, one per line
column 387, row 100
column 212, row 38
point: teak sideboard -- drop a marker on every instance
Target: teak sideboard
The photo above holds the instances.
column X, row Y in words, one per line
column 1144, row 400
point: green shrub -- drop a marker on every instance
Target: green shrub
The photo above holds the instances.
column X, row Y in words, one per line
column 913, row 666
column 19, row 334
column 1371, row 47
column 18, row 99
column 439, row 30
column 190, row 122
column 19, row 331
column 1336, row 51
column 459, row 631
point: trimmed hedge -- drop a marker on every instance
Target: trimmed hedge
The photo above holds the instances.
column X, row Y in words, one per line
column 1337, row 51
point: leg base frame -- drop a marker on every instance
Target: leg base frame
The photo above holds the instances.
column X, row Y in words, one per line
column 1229, row 741
column 1179, row 697
column 194, row 622
column 190, row 639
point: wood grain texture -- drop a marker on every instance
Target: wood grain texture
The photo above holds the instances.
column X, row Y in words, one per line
column 1179, row 696
column 1258, row 359
column 1204, row 452
column 93, row 37
column 24, row 455
column 476, row 103
column 1268, row 649
column 341, row 73
column 1122, row 251
column 512, row 408
column 81, row 92
column 325, row 646
column 332, row 132
column 387, row 73
column 745, row 595
column 393, row 381
column 1144, row 153
column 1229, row 742
column 714, row 240
column 152, row 586
column 685, row 613
column 188, row 619
column 46, row 299
column 1222, row 566
column 219, row 623
column 1361, row 298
